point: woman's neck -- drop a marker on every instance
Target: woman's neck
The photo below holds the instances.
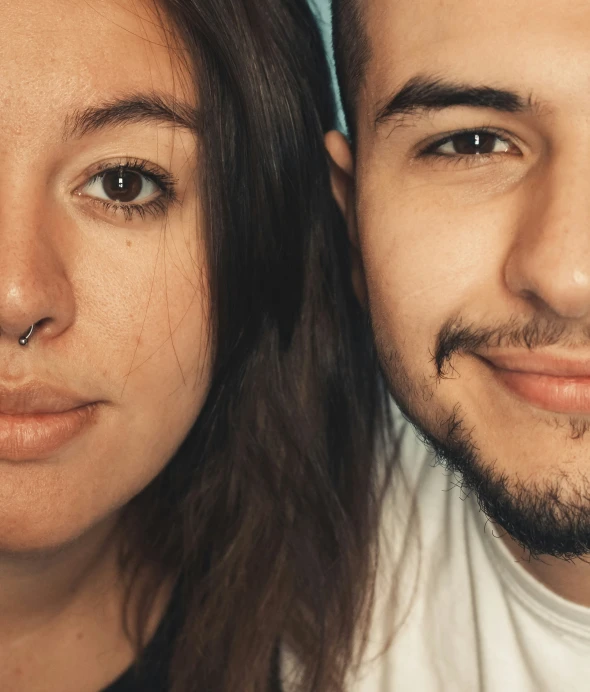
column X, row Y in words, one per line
column 60, row 616
column 37, row 586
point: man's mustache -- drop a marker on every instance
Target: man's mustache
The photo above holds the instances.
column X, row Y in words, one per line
column 458, row 337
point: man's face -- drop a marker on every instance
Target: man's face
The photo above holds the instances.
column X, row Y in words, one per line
column 472, row 195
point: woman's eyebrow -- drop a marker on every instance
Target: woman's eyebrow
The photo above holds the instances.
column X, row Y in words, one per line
column 421, row 95
column 134, row 108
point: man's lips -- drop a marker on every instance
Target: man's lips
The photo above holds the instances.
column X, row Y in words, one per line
column 556, row 383
column 538, row 363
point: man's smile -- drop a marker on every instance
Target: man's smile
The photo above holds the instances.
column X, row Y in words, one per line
column 556, row 384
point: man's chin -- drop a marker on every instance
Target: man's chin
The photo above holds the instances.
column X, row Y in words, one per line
column 546, row 517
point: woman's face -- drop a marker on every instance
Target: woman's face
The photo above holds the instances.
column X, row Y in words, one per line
column 101, row 247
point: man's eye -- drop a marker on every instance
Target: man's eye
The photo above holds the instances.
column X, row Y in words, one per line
column 471, row 144
column 121, row 185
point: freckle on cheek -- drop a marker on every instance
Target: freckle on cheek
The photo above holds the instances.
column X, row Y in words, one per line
column 129, row 243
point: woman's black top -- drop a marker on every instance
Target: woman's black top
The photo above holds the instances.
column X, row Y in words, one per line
column 152, row 673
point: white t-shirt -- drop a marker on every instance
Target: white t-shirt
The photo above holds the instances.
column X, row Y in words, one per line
column 465, row 615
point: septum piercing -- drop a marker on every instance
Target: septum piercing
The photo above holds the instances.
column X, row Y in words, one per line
column 24, row 339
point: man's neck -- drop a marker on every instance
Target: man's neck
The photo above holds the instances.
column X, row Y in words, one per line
column 570, row 579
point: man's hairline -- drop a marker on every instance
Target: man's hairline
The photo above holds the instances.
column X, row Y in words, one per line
column 350, row 94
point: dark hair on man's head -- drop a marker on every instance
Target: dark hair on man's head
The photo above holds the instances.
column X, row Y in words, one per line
column 266, row 515
column 351, row 53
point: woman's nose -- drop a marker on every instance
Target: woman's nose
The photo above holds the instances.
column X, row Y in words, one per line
column 34, row 285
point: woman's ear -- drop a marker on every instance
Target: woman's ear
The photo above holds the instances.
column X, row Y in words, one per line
column 342, row 176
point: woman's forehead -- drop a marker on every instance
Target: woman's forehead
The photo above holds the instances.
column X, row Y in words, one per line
column 62, row 55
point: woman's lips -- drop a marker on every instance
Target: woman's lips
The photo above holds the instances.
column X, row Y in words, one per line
column 559, row 385
column 25, row 437
column 37, row 419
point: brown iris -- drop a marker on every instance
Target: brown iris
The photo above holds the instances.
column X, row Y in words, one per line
column 122, row 185
column 472, row 143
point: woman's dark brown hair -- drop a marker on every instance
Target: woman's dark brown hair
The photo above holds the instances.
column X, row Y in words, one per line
column 265, row 515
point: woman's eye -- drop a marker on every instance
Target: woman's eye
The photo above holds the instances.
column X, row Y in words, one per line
column 122, row 186
column 472, row 144
column 130, row 189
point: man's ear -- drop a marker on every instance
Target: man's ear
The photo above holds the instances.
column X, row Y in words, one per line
column 342, row 176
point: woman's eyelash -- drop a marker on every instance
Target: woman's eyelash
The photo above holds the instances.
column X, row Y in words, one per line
column 155, row 207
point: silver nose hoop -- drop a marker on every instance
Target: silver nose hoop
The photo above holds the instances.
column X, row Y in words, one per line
column 24, row 339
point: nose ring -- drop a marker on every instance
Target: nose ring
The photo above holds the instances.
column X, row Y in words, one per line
column 24, row 339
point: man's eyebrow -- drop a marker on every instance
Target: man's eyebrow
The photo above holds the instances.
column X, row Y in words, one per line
column 134, row 108
column 431, row 94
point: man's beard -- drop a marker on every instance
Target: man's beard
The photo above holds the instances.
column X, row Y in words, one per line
column 551, row 517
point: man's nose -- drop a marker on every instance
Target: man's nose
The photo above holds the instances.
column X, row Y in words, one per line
column 549, row 261
column 34, row 285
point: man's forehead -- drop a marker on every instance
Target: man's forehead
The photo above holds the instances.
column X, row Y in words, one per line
column 471, row 41
column 396, row 26
column 480, row 16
